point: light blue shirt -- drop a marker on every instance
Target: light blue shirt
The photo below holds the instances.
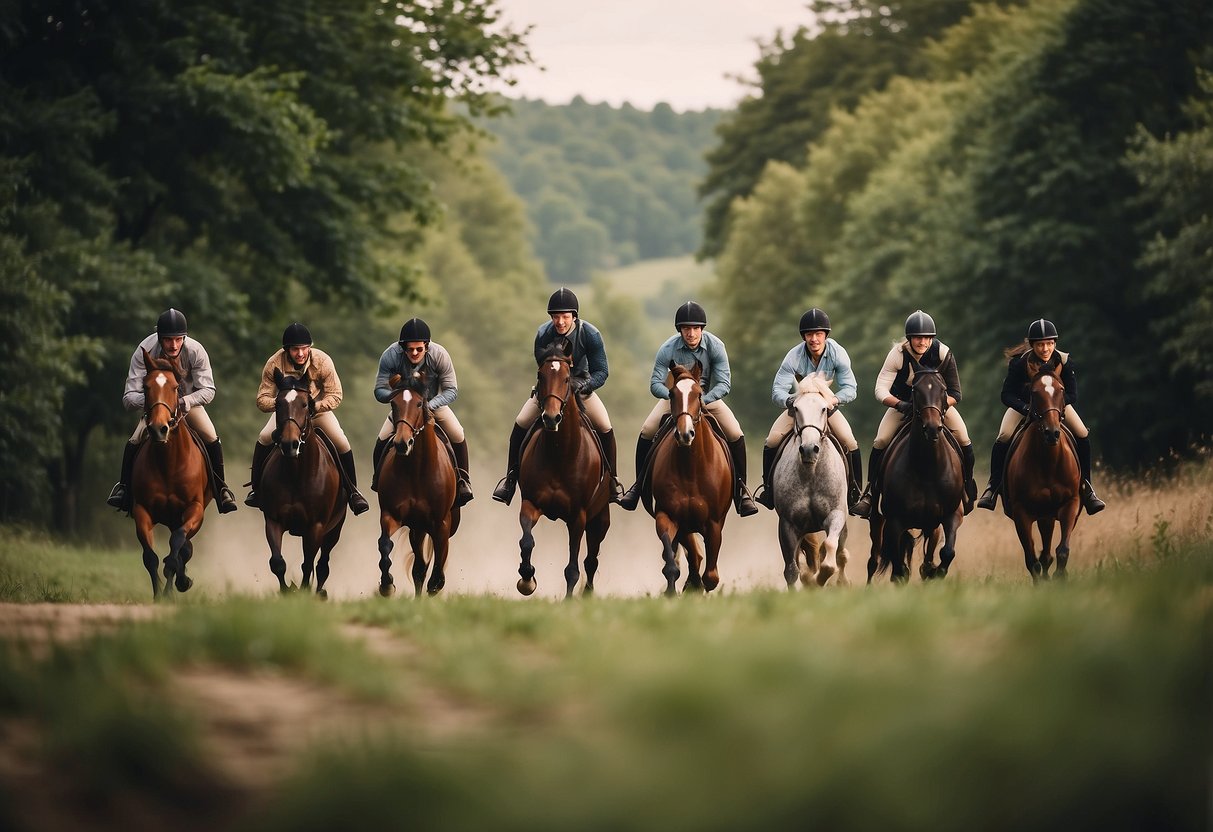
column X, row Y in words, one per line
column 835, row 365
column 710, row 354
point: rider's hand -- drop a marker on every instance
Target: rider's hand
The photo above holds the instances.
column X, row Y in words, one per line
column 904, row 408
column 581, row 386
column 185, row 406
column 791, row 403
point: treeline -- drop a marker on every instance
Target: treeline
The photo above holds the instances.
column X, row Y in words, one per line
column 605, row 186
column 990, row 164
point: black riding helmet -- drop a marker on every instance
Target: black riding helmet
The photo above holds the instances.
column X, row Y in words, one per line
column 170, row 324
column 1042, row 330
column 415, row 329
column 814, row 321
column 296, row 335
column 562, row 300
column 920, row 323
column 690, row 314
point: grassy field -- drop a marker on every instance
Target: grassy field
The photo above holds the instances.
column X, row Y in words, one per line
column 985, row 703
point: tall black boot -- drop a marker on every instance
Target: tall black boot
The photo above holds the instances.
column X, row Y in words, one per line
column 1090, row 502
column 608, row 447
column 998, row 461
column 871, row 494
column 766, row 494
column 120, row 496
column 741, row 495
column 260, row 454
column 504, row 492
column 629, row 501
column 357, row 502
column 376, row 459
column 966, row 459
column 463, row 479
column 855, row 461
column 224, row 497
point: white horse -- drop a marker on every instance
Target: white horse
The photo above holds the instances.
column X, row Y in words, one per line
column 810, row 482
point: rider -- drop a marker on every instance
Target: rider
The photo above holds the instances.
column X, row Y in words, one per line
column 1041, row 344
column 818, row 354
column 412, row 352
column 693, row 345
column 196, row 391
column 298, row 358
column 893, row 390
column 590, row 372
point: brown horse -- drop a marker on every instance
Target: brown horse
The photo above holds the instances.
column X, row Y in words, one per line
column 416, row 487
column 301, row 490
column 563, row 474
column 169, row 481
column 1042, row 480
column 692, row 485
column 923, row 487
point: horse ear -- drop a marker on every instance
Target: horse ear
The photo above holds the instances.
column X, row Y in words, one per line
column 799, row 377
column 914, row 365
column 394, row 381
column 697, row 371
column 669, row 378
column 673, row 364
column 567, row 347
column 278, row 377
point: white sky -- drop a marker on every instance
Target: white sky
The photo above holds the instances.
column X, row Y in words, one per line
column 645, row 51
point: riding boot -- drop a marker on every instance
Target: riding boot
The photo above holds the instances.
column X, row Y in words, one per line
column 357, row 502
column 871, row 494
column 224, row 497
column 966, row 458
column 998, row 460
column 741, row 495
column 120, row 496
column 855, row 461
column 608, row 447
column 1090, row 502
column 631, row 499
column 260, row 454
column 504, row 492
column 463, row 479
column 376, row 458
column 766, row 494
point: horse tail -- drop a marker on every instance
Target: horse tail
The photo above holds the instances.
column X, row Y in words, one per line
column 882, row 565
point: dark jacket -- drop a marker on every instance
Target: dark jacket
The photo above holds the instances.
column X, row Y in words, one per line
column 938, row 357
column 1017, row 387
column 589, row 353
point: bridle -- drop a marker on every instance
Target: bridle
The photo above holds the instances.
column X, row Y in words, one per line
column 918, row 411
column 174, row 413
column 416, row 430
column 568, row 388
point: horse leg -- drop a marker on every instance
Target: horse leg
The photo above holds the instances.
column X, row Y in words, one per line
column 712, row 537
column 417, row 537
column 843, row 555
column 322, row 565
column 930, row 540
column 1045, row 525
column 667, row 531
column 273, row 536
column 835, row 522
column 388, row 526
column 892, row 549
column 441, row 538
column 876, row 533
column 951, row 525
column 185, row 549
column 1023, row 528
column 528, row 516
column 789, row 545
column 1069, row 516
column 311, row 540
column 595, row 533
column 144, row 530
column 572, row 572
column 695, row 579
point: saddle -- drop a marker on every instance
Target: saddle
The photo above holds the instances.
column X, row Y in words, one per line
column 537, row 426
column 1013, row 445
column 438, row 431
column 664, row 429
column 903, row 431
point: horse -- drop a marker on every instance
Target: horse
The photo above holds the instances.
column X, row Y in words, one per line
column 170, row 484
column 1042, row 482
column 301, row 489
column 691, row 485
column 563, row 474
column 416, row 488
column 810, row 486
column 923, row 489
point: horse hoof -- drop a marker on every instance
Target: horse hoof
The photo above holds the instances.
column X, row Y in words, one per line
column 824, row 573
column 526, row 587
column 387, row 590
column 322, row 594
column 183, row 583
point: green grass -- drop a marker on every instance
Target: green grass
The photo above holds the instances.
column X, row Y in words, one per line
column 35, row 568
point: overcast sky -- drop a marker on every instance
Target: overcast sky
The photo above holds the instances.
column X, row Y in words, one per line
column 645, row 51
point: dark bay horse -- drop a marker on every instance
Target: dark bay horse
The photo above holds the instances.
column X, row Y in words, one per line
column 562, row 474
column 301, row 490
column 923, row 487
column 416, row 488
column 692, row 485
column 170, row 485
column 1042, row 481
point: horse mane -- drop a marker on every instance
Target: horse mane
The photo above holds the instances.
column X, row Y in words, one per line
column 560, row 349
column 814, row 383
column 164, row 363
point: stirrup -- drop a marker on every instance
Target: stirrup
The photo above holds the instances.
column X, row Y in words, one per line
column 117, row 497
column 863, row 506
column 358, row 503
column 765, row 496
column 504, row 492
column 630, row 498
column 226, row 501
column 251, row 499
column 463, row 492
column 988, row 499
column 1090, row 501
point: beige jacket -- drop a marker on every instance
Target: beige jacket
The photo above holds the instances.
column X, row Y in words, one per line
column 323, row 383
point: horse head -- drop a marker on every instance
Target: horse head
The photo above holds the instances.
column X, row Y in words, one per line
column 930, row 400
column 410, row 410
column 161, row 398
column 554, row 386
column 810, row 411
column 686, row 401
column 293, row 411
column 1048, row 398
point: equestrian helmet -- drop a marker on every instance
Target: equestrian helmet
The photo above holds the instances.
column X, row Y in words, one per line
column 690, row 314
column 920, row 323
column 296, row 335
column 814, row 321
column 562, row 300
column 415, row 329
column 171, row 324
column 1042, row 330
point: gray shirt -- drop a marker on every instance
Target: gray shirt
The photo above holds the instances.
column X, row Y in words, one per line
column 441, row 387
column 198, row 386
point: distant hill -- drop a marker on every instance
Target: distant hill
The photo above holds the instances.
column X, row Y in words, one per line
column 605, row 186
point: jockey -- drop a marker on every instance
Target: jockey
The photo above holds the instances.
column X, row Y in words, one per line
column 590, row 372
column 693, row 345
column 298, row 358
column 412, row 352
column 893, row 390
column 196, row 391
column 818, row 354
column 1041, row 344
